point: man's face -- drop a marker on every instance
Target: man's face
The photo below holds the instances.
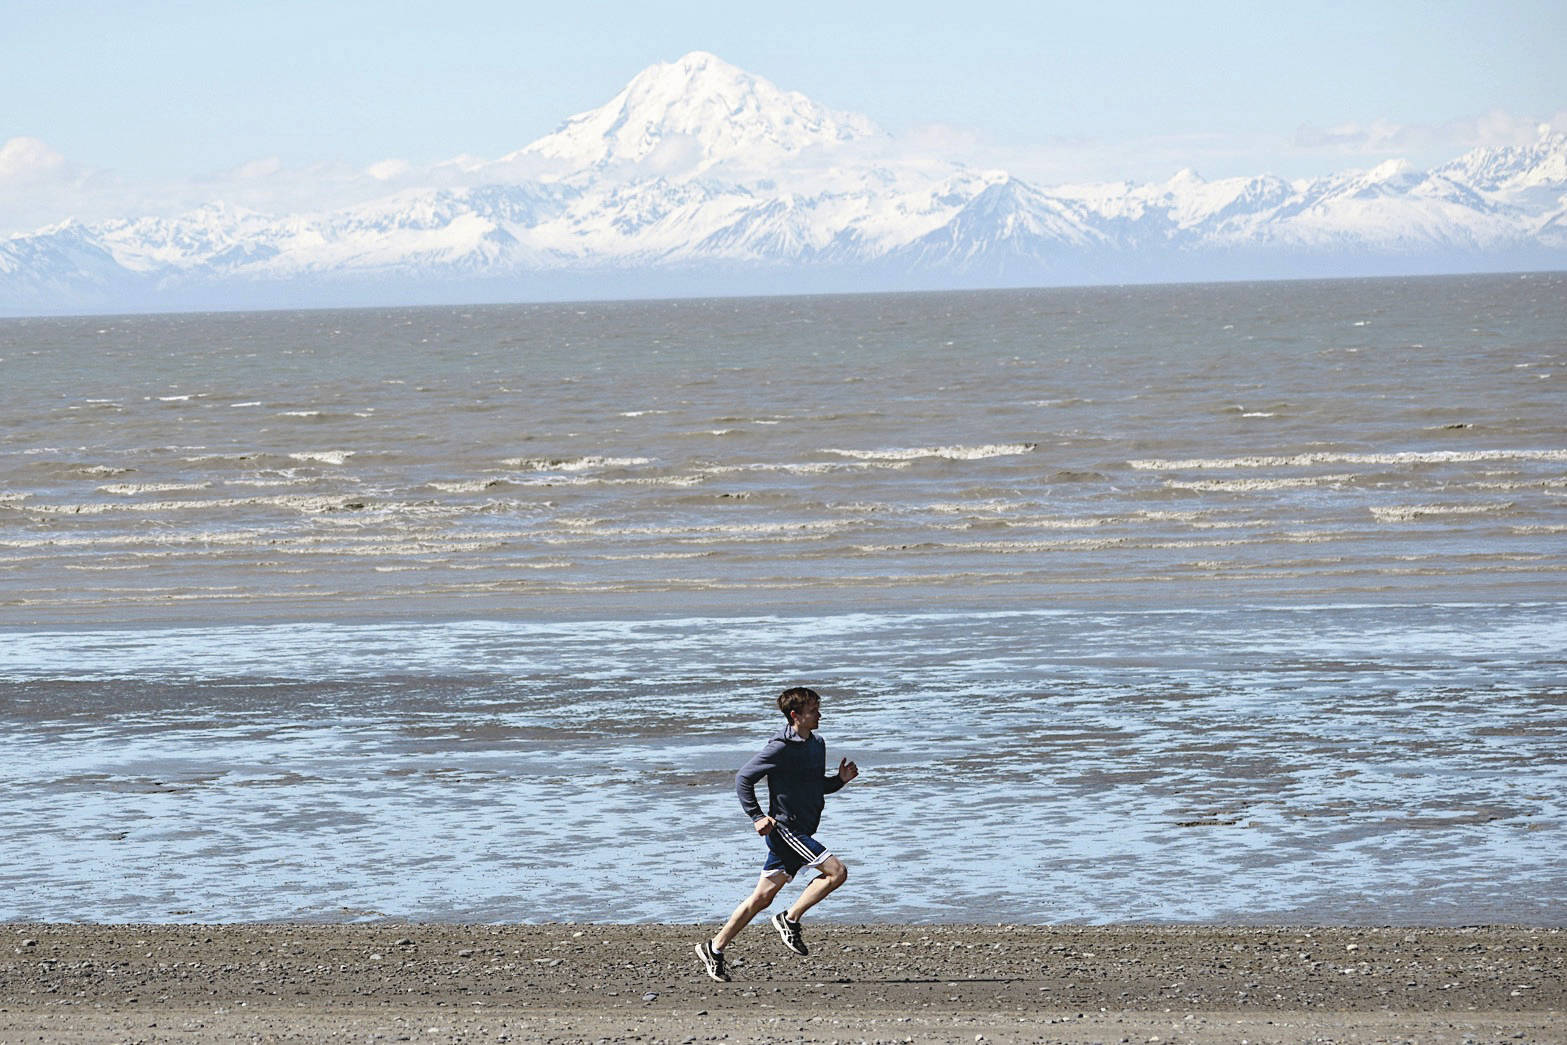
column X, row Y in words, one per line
column 806, row 720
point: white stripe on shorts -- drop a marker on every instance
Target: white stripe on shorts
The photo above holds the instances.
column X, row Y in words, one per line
column 793, row 842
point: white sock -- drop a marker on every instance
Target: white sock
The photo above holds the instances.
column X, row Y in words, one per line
column 714, row 945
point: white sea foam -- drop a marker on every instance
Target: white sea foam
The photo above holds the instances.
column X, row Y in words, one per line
column 1168, row 515
column 1048, row 523
column 298, row 503
column 655, row 556
column 323, row 456
column 1325, row 457
column 1010, row 514
column 804, row 467
column 99, row 567
column 463, row 485
column 1554, row 485
column 141, row 546
column 698, row 534
column 1246, row 485
column 592, row 462
column 977, row 507
column 1407, row 512
column 132, row 489
column 580, row 522
column 649, row 481
column 285, row 479
column 992, row 547
column 97, row 471
column 950, row 453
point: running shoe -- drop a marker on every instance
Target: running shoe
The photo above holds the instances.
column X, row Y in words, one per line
column 712, row 962
column 789, row 933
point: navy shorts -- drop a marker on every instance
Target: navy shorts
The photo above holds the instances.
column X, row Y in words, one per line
column 788, row 851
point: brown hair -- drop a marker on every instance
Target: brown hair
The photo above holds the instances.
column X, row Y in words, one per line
column 795, row 700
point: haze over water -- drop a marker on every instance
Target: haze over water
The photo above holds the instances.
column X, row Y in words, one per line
column 1233, row 602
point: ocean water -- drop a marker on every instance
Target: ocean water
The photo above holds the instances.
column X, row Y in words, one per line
column 1204, row 603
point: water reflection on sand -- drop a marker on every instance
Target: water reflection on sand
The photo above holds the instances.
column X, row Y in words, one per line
column 1349, row 763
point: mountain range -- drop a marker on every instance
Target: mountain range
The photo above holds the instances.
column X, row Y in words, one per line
column 700, row 178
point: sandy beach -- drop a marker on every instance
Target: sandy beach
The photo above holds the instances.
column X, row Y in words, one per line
column 884, row 983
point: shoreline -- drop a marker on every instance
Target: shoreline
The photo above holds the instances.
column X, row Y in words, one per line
column 591, row 982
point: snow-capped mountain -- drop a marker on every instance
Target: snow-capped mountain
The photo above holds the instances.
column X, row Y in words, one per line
column 687, row 116
column 699, row 177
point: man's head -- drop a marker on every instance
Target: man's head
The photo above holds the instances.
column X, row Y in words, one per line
column 798, row 703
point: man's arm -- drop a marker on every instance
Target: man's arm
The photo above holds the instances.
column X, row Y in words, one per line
column 765, row 762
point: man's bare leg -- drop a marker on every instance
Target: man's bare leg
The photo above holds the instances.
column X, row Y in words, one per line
column 750, row 907
column 834, row 874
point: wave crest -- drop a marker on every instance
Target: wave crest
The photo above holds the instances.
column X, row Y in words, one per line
column 949, row 453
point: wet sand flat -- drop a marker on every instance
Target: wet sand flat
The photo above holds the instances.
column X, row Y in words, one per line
column 886, row 983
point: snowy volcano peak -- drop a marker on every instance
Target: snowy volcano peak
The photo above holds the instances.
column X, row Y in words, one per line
column 687, row 115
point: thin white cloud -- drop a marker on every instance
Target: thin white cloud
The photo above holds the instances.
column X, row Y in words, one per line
column 1490, row 129
column 1079, row 161
column 255, row 170
column 29, row 159
column 387, row 170
column 39, row 186
column 1307, row 152
column 675, row 154
column 942, row 138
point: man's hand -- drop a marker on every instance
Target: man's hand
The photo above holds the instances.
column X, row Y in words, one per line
column 847, row 770
column 765, row 825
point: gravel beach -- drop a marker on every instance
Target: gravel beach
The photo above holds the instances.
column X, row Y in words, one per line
column 879, row 983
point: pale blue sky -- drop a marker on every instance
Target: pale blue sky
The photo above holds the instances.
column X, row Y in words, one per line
column 164, row 91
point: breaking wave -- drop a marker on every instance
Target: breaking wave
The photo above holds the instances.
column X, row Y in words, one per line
column 1407, row 512
column 1326, row 457
column 323, row 456
column 133, row 489
column 949, row 453
column 574, row 464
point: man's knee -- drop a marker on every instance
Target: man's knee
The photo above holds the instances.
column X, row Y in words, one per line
column 835, row 871
column 762, row 895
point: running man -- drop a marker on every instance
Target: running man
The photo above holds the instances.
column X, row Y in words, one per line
column 795, row 765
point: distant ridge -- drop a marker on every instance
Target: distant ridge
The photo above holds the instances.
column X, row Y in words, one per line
column 701, row 178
